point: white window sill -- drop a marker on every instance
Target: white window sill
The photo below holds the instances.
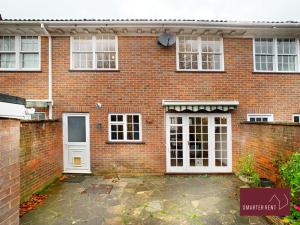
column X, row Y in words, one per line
column 94, row 70
column 125, row 142
column 201, row 71
column 276, row 72
column 19, row 70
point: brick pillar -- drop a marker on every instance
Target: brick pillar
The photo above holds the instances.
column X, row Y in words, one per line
column 9, row 171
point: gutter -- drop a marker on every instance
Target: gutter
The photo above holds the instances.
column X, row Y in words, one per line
column 50, row 98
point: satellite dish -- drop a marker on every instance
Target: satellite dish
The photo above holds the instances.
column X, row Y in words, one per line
column 167, row 39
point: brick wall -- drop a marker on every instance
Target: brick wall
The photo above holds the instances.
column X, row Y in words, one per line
column 9, row 171
column 147, row 75
column 267, row 142
column 40, row 155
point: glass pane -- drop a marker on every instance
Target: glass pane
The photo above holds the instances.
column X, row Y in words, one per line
column 211, row 44
column 82, row 60
column 82, row 44
column 113, row 118
column 105, row 43
column 76, row 129
column 7, row 60
column 29, row 44
column 7, row 43
column 106, row 60
column 136, row 135
column 287, row 63
column 30, row 60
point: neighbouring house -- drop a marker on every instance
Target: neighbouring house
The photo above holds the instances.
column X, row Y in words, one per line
column 152, row 96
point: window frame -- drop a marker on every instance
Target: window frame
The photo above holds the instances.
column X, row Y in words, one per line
column 124, row 127
column 275, row 54
column 94, row 52
column 257, row 115
column 293, row 117
column 199, row 45
column 18, row 52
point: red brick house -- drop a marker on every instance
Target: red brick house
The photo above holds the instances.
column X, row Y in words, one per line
column 129, row 104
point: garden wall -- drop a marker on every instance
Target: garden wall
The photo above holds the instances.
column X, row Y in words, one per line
column 9, row 171
column 269, row 141
column 41, row 158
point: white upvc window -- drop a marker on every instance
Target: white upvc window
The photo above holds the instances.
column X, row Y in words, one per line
column 199, row 53
column 276, row 54
column 125, row 127
column 260, row 117
column 296, row 118
column 97, row 52
column 20, row 53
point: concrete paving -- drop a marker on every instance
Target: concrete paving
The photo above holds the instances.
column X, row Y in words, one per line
column 143, row 200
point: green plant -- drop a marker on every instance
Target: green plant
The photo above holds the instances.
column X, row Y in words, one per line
column 246, row 168
column 293, row 218
column 290, row 173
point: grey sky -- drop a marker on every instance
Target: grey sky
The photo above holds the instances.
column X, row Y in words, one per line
column 165, row 9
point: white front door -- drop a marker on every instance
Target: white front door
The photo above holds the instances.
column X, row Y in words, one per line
column 198, row 143
column 76, row 138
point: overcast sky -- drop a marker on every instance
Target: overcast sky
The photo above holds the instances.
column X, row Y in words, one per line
column 160, row 9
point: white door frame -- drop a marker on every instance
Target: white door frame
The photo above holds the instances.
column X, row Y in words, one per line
column 211, row 142
column 66, row 167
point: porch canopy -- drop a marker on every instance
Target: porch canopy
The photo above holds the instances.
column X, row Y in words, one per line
column 195, row 106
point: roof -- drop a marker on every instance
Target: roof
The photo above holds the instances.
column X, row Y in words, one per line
column 150, row 27
column 147, row 20
column 12, row 99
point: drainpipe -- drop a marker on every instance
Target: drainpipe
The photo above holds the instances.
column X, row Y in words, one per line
column 49, row 70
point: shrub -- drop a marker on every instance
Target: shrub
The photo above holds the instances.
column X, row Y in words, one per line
column 246, row 168
column 290, row 174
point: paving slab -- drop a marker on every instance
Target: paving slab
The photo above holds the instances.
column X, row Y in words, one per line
column 143, row 200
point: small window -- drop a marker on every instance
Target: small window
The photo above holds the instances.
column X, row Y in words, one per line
column 260, row 117
column 296, row 118
column 36, row 116
column 19, row 52
column 200, row 53
column 125, row 127
column 94, row 52
column 276, row 54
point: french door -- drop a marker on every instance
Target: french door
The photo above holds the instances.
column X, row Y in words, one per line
column 198, row 143
column 76, row 138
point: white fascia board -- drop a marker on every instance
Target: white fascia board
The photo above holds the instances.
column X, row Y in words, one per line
column 39, row 100
column 10, row 110
column 181, row 102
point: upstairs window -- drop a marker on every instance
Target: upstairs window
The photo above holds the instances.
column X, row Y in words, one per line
column 125, row 127
column 260, row 117
column 276, row 54
column 94, row 53
column 19, row 53
column 199, row 53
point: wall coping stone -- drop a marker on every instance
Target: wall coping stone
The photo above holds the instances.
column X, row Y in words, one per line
column 40, row 121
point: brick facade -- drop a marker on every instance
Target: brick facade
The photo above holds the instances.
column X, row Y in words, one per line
column 40, row 155
column 268, row 142
column 147, row 75
column 9, row 171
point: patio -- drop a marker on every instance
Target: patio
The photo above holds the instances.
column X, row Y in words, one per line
column 142, row 200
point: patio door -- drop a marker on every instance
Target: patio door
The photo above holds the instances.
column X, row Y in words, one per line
column 198, row 143
column 76, row 138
